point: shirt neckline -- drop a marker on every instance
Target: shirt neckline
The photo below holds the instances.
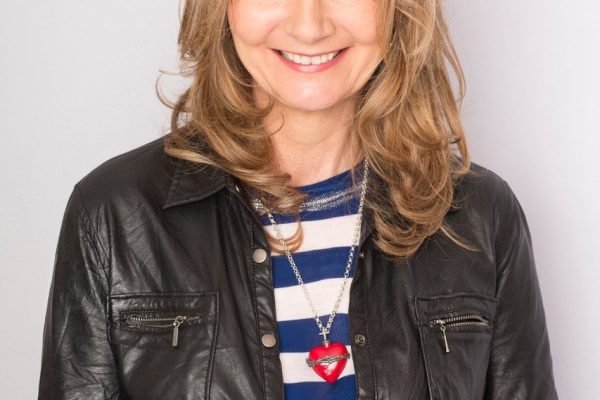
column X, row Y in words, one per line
column 336, row 182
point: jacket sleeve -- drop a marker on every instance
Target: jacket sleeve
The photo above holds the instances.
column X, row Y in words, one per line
column 77, row 361
column 521, row 364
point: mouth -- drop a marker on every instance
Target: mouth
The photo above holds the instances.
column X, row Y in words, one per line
column 304, row 59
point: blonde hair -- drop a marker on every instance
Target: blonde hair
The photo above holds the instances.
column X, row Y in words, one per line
column 407, row 121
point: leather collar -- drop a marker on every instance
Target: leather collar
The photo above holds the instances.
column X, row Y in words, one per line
column 193, row 182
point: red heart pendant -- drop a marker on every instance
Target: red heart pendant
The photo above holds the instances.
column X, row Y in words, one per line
column 328, row 360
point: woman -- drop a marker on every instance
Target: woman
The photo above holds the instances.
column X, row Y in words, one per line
column 311, row 227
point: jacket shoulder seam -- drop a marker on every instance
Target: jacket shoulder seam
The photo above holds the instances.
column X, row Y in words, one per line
column 502, row 233
column 91, row 232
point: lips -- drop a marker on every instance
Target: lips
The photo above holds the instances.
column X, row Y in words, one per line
column 302, row 63
column 311, row 55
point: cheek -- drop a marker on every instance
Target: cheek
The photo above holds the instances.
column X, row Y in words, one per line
column 361, row 22
column 249, row 23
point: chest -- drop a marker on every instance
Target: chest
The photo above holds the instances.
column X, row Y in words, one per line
column 211, row 263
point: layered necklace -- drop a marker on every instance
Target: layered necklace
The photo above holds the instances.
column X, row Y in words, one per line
column 328, row 359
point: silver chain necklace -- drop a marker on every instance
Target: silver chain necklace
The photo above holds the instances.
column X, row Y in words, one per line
column 325, row 330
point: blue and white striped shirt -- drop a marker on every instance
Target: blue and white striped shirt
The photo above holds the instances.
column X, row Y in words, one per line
column 328, row 220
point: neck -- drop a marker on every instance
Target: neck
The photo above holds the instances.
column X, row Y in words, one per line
column 313, row 145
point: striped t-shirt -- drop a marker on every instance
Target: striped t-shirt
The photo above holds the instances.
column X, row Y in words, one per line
column 328, row 220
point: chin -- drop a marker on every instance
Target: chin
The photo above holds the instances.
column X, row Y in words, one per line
column 313, row 102
column 313, row 105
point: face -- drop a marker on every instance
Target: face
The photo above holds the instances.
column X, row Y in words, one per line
column 287, row 46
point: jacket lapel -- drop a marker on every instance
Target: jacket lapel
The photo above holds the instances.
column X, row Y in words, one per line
column 193, row 182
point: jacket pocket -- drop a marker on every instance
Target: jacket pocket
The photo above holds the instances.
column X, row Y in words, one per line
column 456, row 335
column 164, row 342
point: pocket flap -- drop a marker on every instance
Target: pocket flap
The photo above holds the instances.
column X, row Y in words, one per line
column 159, row 319
column 454, row 304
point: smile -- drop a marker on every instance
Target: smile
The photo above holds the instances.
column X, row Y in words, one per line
column 309, row 60
column 310, row 63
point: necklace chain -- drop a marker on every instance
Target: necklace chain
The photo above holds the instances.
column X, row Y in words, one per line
column 326, row 329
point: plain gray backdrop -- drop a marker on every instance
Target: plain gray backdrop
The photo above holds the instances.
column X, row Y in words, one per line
column 77, row 87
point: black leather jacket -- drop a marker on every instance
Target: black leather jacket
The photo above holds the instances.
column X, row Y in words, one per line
column 144, row 236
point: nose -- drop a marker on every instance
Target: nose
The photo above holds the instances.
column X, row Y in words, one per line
column 309, row 21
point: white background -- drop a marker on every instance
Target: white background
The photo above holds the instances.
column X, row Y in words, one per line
column 77, row 87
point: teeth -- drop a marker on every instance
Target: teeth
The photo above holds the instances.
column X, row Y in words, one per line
column 305, row 60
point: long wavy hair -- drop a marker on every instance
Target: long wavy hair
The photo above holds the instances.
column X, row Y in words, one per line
column 407, row 122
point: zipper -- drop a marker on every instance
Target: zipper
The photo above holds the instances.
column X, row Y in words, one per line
column 154, row 322
column 459, row 320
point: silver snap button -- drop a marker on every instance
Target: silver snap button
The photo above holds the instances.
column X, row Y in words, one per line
column 360, row 340
column 268, row 340
column 237, row 188
column 259, row 255
column 361, row 254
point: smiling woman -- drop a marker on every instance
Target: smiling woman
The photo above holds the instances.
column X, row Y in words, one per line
column 386, row 95
column 311, row 227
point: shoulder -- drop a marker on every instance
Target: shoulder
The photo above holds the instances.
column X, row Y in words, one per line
column 124, row 180
column 480, row 185
column 484, row 190
column 486, row 203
